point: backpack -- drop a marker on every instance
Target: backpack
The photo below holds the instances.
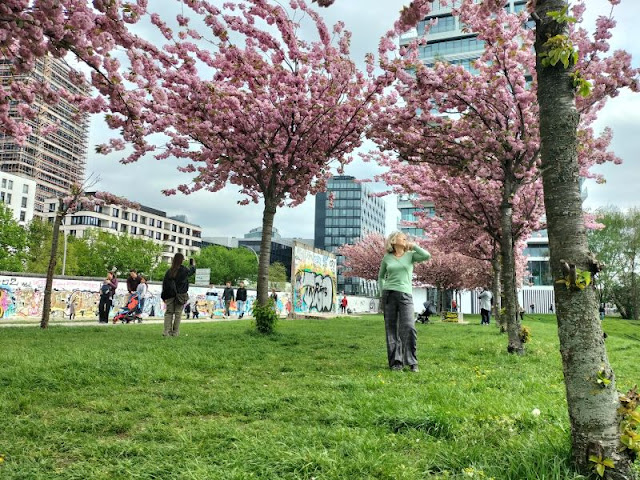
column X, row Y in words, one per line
column 105, row 289
column 169, row 289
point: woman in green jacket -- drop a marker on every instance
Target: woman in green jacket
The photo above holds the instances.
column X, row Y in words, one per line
column 394, row 280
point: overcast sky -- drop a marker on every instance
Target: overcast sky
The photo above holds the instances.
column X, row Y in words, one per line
column 219, row 213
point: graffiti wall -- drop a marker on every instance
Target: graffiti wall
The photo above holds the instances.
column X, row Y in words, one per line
column 313, row 280
column 22, row 297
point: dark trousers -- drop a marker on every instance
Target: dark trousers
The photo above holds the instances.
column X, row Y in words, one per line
column 400, row 328
column 485, row 315
column 103, row 309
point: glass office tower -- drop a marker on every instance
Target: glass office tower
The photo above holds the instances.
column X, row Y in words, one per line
column 355, row 214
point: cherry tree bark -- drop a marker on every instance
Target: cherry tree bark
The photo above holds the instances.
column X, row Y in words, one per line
column 595, row 428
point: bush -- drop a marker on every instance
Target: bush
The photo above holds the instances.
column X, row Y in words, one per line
column 265, row 317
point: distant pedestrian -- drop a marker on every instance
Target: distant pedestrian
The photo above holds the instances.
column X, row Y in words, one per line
column 602, row 311
column 133, row 280
column 241, row 299
column 532, row 307
column 105, row 299
column 227, row 297
column 72, row 308
column 395, row 281
column 196, row 313
column 343, row 304
column 113, row 282
column 485, row 306
column 187, row 310
column 175, row 286
column 274, row 297
column 551, row 307
column 142, row 290
column 454, row 305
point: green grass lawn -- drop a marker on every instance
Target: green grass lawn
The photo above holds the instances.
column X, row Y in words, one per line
column 314, row 401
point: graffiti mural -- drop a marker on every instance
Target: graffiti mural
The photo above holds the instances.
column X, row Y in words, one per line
column 314, row 280
column 22, row 297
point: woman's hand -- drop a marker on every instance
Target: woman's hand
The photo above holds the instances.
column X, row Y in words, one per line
column 410, row 245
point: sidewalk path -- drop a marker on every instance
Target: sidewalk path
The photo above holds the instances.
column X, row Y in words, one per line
column 35, row 322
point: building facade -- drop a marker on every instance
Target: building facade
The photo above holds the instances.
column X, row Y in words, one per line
column 18, row 193
column 353, row 213
column 57, row 160
column 175, row 234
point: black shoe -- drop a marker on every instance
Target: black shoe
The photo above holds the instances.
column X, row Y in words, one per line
column 414, row 368
column 396, row 368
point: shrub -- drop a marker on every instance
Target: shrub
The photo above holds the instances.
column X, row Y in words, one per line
column 265, row 317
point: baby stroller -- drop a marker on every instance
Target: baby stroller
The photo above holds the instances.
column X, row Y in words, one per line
column 129, row 313
column 428, row 310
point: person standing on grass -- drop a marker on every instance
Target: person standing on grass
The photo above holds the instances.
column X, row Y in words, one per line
column 485, row 306
column 228, row 297
column 142, row 290
column 175, row 286
column 394, row 279
column 343, row 304
column 187, row 310
column 241, row 299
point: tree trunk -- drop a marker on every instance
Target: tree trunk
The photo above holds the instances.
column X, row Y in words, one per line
column 508, row 271
column 592, row 406
column 496, row 290
column 48, row 288
column 268, row 215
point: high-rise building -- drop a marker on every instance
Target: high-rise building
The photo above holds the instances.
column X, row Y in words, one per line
column 446, row 40
column 354, row 213
column 57, row 160
column 408, row 211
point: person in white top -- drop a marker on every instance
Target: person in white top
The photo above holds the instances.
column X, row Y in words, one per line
column 142, row 290
column 485, row 306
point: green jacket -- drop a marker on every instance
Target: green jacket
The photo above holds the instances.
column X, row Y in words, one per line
column 397, row 273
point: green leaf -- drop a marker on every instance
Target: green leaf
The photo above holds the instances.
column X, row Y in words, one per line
column 600, row 469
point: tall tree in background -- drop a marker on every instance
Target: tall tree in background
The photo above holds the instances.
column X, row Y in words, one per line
column 227, row 264
column 77, row 200
column 13, row 242
column 566, row 58
column 617, row 245
column 272, row 119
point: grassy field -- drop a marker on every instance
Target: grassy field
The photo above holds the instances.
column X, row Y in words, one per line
column 314, row 401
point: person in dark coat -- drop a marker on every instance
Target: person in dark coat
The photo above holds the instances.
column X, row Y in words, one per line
column 228, row 297
column 241, row 299
column 175, row 286
column 187, row 310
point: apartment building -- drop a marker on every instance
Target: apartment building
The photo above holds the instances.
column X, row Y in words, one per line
column 174, row 233
column 18, row 193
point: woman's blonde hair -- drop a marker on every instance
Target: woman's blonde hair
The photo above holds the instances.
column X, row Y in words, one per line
column 391, row 239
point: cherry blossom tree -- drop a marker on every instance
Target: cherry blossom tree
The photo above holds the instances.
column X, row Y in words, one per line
column 468, row 207
column 599, row 417
column 483, row 124
column 234, row 94
column 77, row 200
column 264, row 110
column 362, row 259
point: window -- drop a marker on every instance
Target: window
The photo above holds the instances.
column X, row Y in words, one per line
column 24, row 202
column 125, row 215
column 134, row 230
column 152, row 222
column 116, row 212
column 143, row 220
column 23, row 215
column 25, row 188
column 10, row 186
column 159, row 223
column 8, row 198
column 134, row 217
column 174, row 228
column 1, row 196
column 114, row 225
column 158, row 236
column 4, row 183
